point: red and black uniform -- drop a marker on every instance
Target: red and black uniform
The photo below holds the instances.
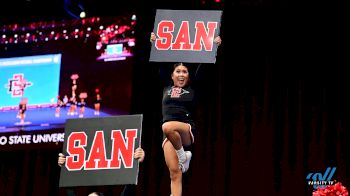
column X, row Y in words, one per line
column 178, row 105
column 22, row 108
column 98, row 100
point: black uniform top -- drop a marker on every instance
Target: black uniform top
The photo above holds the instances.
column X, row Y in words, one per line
column 98, row 100
column 82, row 104
column 22, row 107
column 72, row 102
column 178, row 104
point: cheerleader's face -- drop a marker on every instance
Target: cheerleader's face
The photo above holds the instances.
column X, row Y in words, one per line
column 180, row 76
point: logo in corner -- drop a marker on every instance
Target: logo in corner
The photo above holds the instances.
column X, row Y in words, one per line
column 319, row 180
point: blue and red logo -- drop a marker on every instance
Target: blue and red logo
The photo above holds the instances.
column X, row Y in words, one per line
column 319, row 180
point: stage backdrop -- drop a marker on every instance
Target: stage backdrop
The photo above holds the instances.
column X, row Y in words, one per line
column 185, row 36
column 99, row 151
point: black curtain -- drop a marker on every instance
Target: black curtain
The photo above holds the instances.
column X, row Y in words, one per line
column 273, row 109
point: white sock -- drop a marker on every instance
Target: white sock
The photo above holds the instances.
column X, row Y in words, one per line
column 181, row 155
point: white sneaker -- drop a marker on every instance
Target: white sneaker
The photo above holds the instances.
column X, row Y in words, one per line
column 185, row 165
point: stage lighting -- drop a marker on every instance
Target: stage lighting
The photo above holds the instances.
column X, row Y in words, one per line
column 82, row 14
column 73, row 9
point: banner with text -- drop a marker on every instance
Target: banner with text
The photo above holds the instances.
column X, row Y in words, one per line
column 51, row 138
column 99, row 151
column 185, row 36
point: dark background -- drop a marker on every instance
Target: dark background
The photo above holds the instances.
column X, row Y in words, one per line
column 274, row 106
